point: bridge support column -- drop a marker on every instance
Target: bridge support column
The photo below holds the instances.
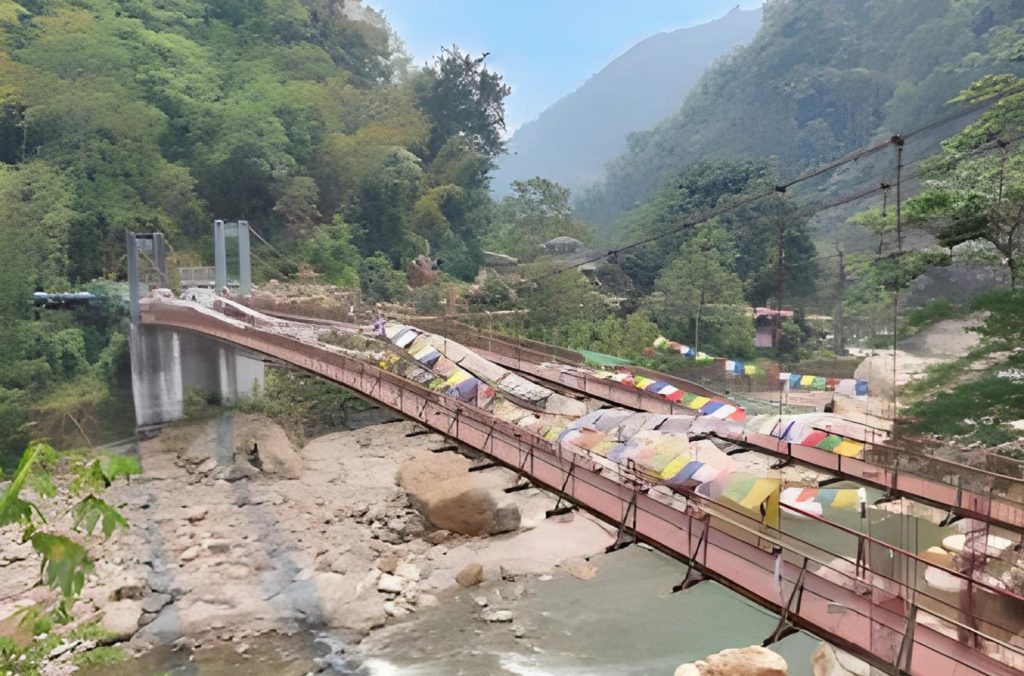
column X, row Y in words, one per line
column 167, row 365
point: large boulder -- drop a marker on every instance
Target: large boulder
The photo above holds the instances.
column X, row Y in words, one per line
column 450, row 497
column 752, row 661
column 347, row 601
column 121, row 618
column 264, row 444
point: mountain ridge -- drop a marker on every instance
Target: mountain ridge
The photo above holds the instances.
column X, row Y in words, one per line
column 569, row 142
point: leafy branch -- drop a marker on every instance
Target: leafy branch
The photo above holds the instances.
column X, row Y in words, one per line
column 64, row 564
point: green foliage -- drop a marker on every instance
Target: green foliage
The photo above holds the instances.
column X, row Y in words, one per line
column 330, row 252
column 100, row 656
column 92, row 510
column 1005, row 321
column 493, row 294
column 557, row 301
column 699, row 295
column 627, row 337
column 464, row 98
column 304, row 405
column 970, row 196
column 64, row 563
column 380, row 281
column 534, row 212
column 818, row 81
column 930, row 313
column 974, row 411
column 754, row 230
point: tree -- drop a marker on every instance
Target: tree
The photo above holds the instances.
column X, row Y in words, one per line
column 700, row 296
column 298, row 207
column 970, row 196
column 379, row 280
column 557, row 300
column 330, row 252
column 534, row 212
column 463, row 99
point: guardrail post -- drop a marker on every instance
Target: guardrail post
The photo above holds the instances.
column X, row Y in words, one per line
column 558, row 509
column 784, row 628
column 903, row 658
column 623, row 538
column 693, row 576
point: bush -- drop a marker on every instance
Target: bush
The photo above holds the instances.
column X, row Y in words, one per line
column 928, row 314
column 380, row 281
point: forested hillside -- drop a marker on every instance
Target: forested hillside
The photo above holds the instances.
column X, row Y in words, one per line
column 571, row 141
column 819, row 80
column 299, row 116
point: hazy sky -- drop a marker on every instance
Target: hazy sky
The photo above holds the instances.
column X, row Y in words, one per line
column 544, row 48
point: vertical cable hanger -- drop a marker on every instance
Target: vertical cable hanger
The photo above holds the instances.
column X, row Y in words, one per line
column 899, row 142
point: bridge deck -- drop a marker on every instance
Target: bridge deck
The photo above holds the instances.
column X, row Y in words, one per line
column 864, row 613
column 968, row 491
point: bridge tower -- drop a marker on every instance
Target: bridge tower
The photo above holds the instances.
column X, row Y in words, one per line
column 168, row 364
column 221, row 233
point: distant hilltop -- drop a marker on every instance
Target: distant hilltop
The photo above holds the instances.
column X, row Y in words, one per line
column 571, row 141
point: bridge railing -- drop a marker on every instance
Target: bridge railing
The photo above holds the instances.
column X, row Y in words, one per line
column 1002, row 485
column 733, row 548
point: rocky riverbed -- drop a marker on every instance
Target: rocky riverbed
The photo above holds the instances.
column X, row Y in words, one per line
column 236, row 534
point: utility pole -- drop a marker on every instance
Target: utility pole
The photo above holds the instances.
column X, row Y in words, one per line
column 837, row 324
column 777, row 320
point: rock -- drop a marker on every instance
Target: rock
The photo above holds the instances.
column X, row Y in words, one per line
column 752, row 661
column 408, row 571
column 346, row 563
column 146, row 618
column 490, row 615
column 206, row 466
column 337, row 601
column 449, row 497
column 493, row 259
column 154, row 603
column 394, row 610
column 190, row 553
column 518, row 630
column 274, row 451
column 579, row 568
column 480, row 601
column 216, row 545
column 426, row 601
column 437, row 537
column 236, row 472
column 390, row 584
column 15, row 552
column 471, row 575
column 421, row 271
column 135, row 592
column 194, row 514
column 827, row 660
column 387, row 563
column 121, row 618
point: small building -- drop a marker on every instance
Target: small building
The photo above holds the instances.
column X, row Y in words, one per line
column 562, row 246
column 767, row 322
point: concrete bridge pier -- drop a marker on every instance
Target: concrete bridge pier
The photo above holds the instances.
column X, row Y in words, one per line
column 168, row 364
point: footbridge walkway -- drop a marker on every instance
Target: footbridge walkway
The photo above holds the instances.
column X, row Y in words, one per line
column 891, row 623
column 967, row 492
